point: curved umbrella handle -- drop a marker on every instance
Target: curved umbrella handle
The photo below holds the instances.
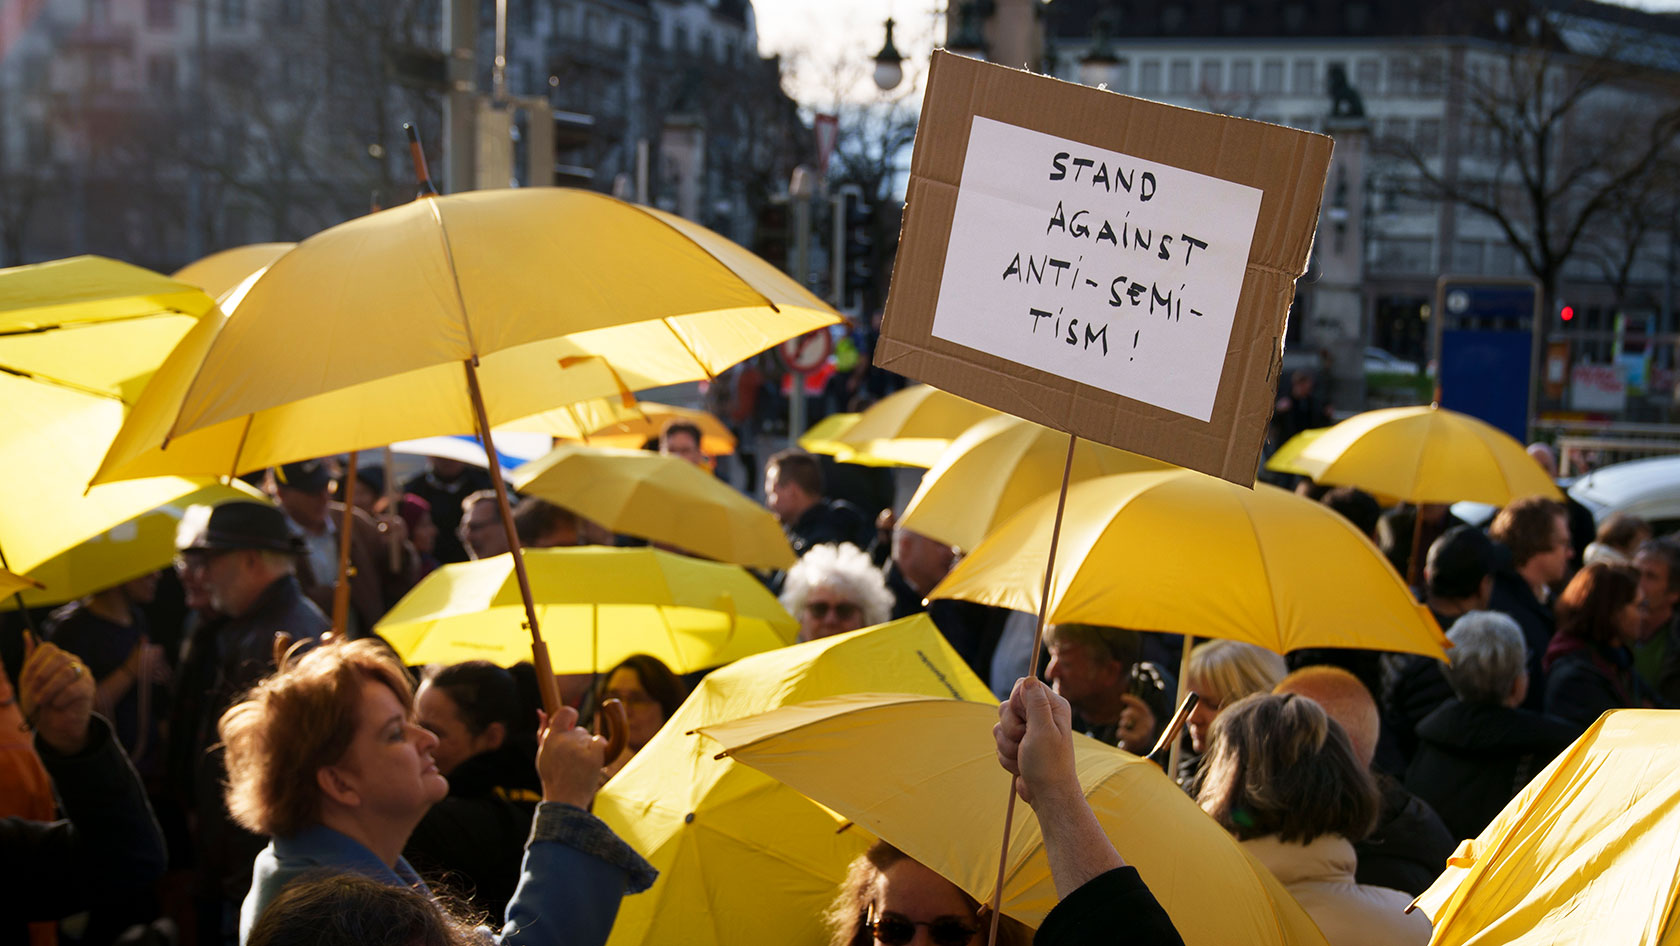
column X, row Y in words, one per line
column 282, row 644
column 614, row 726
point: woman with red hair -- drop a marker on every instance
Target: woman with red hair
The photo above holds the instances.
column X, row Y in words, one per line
column 1589, row 668
column 326, row 758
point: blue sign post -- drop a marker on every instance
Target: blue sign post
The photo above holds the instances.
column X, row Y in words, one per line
column 1486, row 344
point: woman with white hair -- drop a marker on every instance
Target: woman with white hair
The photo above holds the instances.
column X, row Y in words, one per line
column 1477, row 750
column 834, row 589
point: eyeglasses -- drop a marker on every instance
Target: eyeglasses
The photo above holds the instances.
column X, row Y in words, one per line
column 843, row 610
column 893, row 929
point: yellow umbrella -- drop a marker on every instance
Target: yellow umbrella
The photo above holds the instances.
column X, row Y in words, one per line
column 662, row 499
column 1193, row 554
column 11, row 584
column 218, row 273
column 743, row 858
column 600, row 605
column 820, row 436
column 1584, row 855
column 127, row 550
column 912, row 427
column 86, row 289
column 1425, row 455
column 995, row 469
column 923, row 775
column 65, row 370
column 1287, row 457
column 609, row 422
column 443, row 283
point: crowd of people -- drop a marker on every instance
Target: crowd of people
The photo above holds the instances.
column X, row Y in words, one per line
column 192, row 780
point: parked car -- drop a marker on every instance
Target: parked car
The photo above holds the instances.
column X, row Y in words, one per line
column 1378, row 361
column 1648, row 488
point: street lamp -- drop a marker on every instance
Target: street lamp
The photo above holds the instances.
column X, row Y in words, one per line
column 1100, row 64
column 889, row 63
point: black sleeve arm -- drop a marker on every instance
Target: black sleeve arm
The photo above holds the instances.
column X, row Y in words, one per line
column 1111, row 908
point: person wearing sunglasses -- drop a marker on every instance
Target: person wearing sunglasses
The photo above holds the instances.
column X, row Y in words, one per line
column 889, row 899
column 834, row 589
column 650, row 693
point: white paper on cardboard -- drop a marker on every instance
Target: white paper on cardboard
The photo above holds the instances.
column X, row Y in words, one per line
column 1103, row 268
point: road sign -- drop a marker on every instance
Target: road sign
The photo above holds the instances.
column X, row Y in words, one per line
column 807, row 352
column 1487, row 334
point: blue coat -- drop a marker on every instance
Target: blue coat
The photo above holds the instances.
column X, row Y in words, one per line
column 575, row 872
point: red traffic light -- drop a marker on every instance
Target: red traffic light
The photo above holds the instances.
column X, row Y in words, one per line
column 1567, row 312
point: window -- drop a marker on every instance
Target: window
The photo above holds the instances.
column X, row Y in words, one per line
column 1467, row 256
column 1365, row 79
column 1242, row 75
column 1399, row 77
column 1294, row 17
column 160, row 14
column 1271, row 76
column 1231, row 17
column 160, row 76
column 1358, row 16
column 1304, row 78
column 1396, row 132
column 1120, row 77
column 1213, row 75
column 1429, row 76
column 99, row 12
column 1149, row 77
column 1178, row 77
column 1429, row 136
column 707, row 51
column 679, row 39
column 233, row 13
column 1172, row 18
column 1304, row 122
column 99, row 73
column 290, row 12
column 1405, row 254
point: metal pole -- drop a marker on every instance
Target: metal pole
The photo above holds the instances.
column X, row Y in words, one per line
column 460, row 103
column 802, row 273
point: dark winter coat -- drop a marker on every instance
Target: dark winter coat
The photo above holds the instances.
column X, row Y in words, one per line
column 1473, row 758
column 1410, row 845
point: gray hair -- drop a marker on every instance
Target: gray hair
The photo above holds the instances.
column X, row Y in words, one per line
column 846, row 569
column 1488, row 654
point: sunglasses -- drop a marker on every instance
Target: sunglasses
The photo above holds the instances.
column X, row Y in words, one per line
column 844, row 610
column 892, row 929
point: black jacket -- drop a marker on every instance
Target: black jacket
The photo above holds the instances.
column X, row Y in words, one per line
column 108, row 843
column 474, row 839
column 830, row 520
column 1110, row 908
column 1513, row 596
column 1410, row 845
column 1585, row 680
column 1473, row 758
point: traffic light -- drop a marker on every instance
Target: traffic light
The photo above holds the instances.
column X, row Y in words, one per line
column 1566, row 313
column 859, row 245
column 770, row 236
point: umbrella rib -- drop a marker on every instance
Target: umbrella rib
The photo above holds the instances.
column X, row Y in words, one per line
column 454, row 277
column 58, row 382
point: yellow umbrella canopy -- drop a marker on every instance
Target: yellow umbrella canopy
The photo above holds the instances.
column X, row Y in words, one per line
column 599, row 606
column 218, row 273
column 86, row 289
column 609, row 422
column 1287, row 457
column 743, row 858
column 1425, row 455
column 995, row 469
column 912, row 427
column 662, row 499
column 1183, row 552
column 821, row 438
column 127, row 550
column 451, row 279
column 1584, row 855
column 385, row 327
column 11, row 584
column 63, row 381
column 923, row 775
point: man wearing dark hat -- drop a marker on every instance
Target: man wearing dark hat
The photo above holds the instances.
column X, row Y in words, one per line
column 303, row 490
column 247, row 556
column 1458, row 578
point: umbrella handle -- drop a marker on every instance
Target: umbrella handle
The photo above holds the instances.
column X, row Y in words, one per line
column 614, row 726
column 282, row 643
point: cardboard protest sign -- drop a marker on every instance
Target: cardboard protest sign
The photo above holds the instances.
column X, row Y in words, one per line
column 1112, row 267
